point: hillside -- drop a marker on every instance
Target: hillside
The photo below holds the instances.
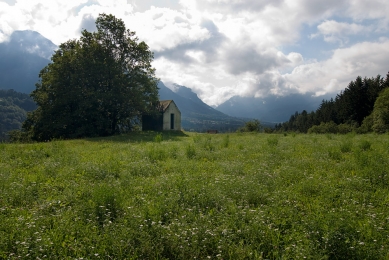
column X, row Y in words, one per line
column 22, row 58
column 13, row 110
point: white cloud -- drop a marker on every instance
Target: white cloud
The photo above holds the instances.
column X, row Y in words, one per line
column 330, row 76
column 334, row 31
column 164, row 29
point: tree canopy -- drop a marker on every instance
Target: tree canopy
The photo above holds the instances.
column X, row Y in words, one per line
column 381, row 113
column 97, row 85
column 352, row 108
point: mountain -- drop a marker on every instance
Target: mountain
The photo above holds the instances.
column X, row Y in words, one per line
column 196, row 115
column 22, row 58
column 271, row 108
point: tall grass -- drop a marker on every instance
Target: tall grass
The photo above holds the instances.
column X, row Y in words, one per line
column 186, row 196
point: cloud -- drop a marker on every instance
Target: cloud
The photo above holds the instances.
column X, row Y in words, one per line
column 333, row 31
column 58, row 21
column 235, row 5
column 164, row 29
column 333, row 75
column 241, row 59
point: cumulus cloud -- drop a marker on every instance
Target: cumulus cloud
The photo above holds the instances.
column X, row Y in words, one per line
column 332, row 75
column 334, row 31
column 58, row 21
column 164, row 29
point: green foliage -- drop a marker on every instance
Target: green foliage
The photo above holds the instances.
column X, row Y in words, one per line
column 346, row 146
column 268, row 130
column 365, row 145
column 158, row 138
column 190, row 151
column 381, row 113
column 226, row 141
column 329, row 127
column 251, row 126
column 118, row 198
column 98, row 85
column 367, row 125
column 272, row 141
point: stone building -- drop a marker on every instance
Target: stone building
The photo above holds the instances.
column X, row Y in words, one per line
column 168, row 119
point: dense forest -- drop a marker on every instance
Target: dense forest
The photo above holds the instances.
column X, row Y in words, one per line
column 13, row 110
column 351, row 110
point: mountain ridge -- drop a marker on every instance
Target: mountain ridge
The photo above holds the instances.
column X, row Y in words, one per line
column 21, row 59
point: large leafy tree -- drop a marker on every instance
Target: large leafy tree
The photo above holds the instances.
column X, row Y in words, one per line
column 97, row 85
column 381, row 113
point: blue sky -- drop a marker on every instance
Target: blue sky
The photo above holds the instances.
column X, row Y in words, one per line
column 224, row 48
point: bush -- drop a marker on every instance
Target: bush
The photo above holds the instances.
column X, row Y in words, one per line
column 365, row 145
column 381, row 113
column 329, row 127
column 345, row 128
column 268, row 130
column 158, row 138
column 251, row 126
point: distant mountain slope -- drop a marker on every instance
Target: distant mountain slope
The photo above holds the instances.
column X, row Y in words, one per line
column 270, row 109
column 195, row 113
column 13, row 110
column 22, row 58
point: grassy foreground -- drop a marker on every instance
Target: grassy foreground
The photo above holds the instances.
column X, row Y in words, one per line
column 196, row 196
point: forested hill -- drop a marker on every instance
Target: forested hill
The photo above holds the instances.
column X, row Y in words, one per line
column 351, row 109
column 13, row 109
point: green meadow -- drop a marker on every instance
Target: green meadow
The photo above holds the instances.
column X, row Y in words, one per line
column 196, row 196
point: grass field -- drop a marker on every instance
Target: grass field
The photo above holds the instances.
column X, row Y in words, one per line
column 196, row 196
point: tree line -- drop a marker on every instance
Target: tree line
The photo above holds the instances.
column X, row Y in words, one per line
column 353, row 109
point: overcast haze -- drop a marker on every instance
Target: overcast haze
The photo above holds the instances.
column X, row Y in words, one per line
column 223, row 48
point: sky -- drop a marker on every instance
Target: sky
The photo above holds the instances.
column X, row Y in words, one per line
column 224, row 48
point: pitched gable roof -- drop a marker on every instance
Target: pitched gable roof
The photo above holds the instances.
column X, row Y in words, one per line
column 165, row 104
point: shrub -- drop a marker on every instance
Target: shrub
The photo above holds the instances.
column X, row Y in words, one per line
column 345, row 128
column 251, row 126
column 381, row 113
column 268, row 130
column 367, row 125
column 365, row 145
column 329, row 127
column 346, row 146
